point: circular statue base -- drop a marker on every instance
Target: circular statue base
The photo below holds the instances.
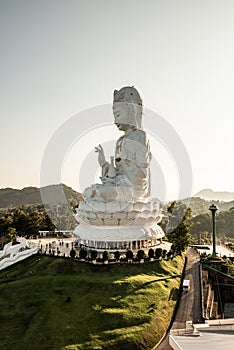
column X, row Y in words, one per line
column 130, row 226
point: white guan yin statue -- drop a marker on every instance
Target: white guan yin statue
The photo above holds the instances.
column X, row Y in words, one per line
column 119, row 209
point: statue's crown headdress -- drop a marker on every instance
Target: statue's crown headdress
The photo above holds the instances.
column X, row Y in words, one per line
column 130, row 97
column 128, row 94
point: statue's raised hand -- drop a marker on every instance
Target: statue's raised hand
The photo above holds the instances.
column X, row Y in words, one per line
column 101, row 156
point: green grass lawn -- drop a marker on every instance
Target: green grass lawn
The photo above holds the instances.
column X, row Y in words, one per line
column 55, row 303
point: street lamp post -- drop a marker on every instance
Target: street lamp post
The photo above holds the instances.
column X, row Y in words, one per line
column 213, row 210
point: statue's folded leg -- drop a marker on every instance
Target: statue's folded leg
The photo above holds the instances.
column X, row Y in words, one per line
column 108, row 193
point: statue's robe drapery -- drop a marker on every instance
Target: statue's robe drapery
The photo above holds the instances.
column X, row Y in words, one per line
column 132, row 161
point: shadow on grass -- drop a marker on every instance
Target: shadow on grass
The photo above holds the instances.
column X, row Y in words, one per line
column 160, row 280
column 47, row 265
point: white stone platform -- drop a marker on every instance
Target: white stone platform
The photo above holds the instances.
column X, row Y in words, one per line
column 112, row 225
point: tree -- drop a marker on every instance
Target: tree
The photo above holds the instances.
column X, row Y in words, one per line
column 93, row 254
column 178, row 226
column 34, row 222
column 172, row 249
column 158, row 253
column 201, row 227
column 117, row 255
column 11, row 234
column 140, row 254
column 20, row 221
column 105, row 255
column 5, row 222
column 72, row 253
column 46, row 223
column 170, row 254
column 129, row 254
column 151, row 253
column 83, row 253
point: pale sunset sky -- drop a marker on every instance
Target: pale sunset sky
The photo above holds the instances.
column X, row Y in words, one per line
column 62, row 57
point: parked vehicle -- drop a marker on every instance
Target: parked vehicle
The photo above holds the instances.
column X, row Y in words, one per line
column 186, row 285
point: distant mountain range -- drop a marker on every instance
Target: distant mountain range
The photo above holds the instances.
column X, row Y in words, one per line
column 209, row 195
column 61, row 194
column 201, row 206
column 53, row 194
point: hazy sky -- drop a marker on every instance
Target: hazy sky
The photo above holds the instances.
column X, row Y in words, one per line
column 60, row 57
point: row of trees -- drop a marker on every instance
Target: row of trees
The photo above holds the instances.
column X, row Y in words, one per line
column 25, row 221
column 158, row 253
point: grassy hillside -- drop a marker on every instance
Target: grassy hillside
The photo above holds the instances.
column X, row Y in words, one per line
column 49, row 303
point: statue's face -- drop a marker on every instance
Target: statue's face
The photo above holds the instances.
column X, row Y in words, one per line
column 121, row 116
column 120, row 113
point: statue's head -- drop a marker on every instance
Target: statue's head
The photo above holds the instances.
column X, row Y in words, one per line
column 127, row 108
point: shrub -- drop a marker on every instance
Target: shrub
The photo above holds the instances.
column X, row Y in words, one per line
column 129, row 254
column 83, row 253
column 170, row 254
column 72, row 253
column 117, row 255
column 151, row 253
column 158, row 253
column 93, row 254
column 105, row 255
column 140, row 254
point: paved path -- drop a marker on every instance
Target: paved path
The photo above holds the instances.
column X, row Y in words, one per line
column 190, row 302
column 63, row 244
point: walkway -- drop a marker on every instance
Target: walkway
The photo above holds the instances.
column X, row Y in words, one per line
column 190, row 302
column 64, row 245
